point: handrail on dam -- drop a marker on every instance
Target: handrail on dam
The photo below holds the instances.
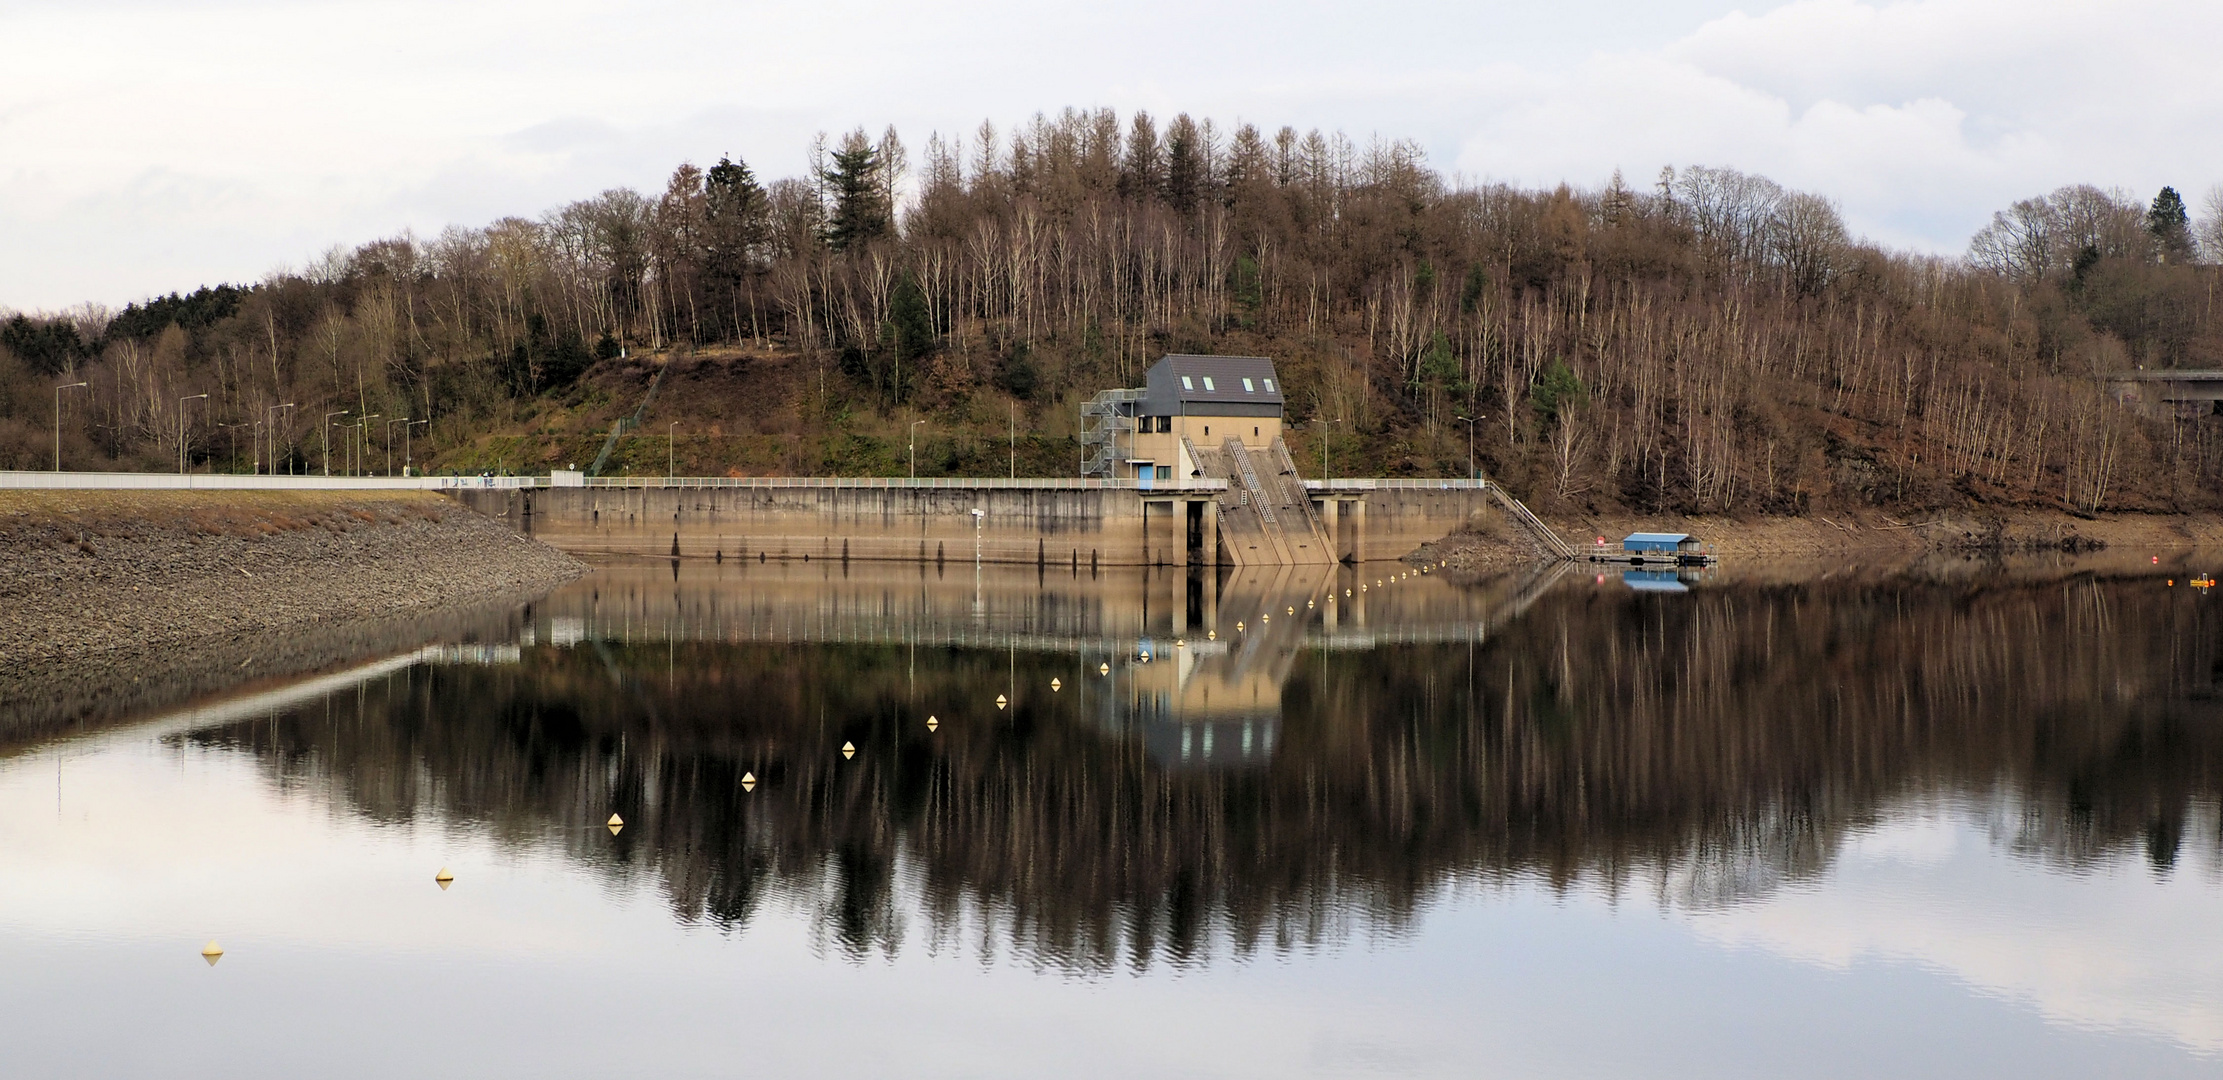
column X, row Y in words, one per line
column 1038, row 484
column 85, row 481
column 1388, row 484
column 248, row 482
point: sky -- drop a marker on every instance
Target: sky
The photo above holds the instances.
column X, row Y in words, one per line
column 152, row 145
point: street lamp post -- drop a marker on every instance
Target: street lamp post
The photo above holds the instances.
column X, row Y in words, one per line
column 671, row 452
column 58, row 420
column 1324, row 447
column 324, row 435
column 409, row 462
column 361, row 447
column 270, row 414
column 181, row 427
column 915, row 448
column 390, row 443
column 1470, row 421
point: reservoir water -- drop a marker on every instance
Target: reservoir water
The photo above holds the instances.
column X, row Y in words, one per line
column 1952, row 821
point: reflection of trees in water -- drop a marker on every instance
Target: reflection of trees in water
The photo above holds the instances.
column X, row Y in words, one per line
column 1709, row 746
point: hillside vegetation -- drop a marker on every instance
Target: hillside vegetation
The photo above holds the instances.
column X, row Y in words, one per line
column 1707, row 342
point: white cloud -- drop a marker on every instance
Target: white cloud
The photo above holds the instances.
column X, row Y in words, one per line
column 145, row 147
column 2107, row 948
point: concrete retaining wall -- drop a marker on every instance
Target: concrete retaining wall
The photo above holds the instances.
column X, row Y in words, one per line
column 1061, row 527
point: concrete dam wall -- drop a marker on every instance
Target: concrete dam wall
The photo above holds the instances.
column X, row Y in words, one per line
column 879, row 520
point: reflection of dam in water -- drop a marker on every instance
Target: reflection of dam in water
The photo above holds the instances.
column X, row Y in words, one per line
column 1705, row 748
column 1195, row 661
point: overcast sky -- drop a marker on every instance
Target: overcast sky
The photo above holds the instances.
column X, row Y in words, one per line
column 150, row 146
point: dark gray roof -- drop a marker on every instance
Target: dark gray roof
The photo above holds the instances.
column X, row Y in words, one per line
column 1224, row 376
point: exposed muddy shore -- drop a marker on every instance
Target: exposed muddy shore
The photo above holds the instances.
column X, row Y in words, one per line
column 1494, row 544
column 116, row 601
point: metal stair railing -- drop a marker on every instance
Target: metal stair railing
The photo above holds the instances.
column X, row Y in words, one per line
column 1249, row 474
column 1304, row 499
column 1103, row 417
column 1535, row 526
column 627, row 423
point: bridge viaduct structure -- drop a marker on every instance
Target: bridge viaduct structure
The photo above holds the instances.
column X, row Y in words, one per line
column 2169, row 393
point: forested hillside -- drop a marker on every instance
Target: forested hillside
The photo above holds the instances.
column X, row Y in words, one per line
column 1703, row 340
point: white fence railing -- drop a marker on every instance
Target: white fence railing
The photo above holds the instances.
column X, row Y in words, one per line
column 235, row 482
column 239, row 482
column 1379, row 484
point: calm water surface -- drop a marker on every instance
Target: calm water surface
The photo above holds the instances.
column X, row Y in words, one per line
column 1546, row 825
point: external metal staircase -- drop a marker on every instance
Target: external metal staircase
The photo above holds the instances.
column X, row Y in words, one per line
column 1103, row 418
column 1541, row 533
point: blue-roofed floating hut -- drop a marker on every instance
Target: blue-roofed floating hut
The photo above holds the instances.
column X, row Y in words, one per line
column 1672, row 549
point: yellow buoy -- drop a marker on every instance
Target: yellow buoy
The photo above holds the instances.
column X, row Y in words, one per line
column 1293, row 611
column 1103, row 669
column 1346, row 592
column 748, row 781
column 932, row 723
column 1055, row 686
column 1266, row 617
column 1211, row 635
column 1180, row 643
column 848, row 750
column 616, row 823
column 211, row 952
column 1000, row 702
column 1238, row 626
column 444, row 878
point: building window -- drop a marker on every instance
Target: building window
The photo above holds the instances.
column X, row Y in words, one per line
column 1254, row 433
column 1270, row 386
column 1165, row 424
column 1208, row 383
column 1207, row 431
column 1248, row 388
column 1165, row 472
column 1186, row 384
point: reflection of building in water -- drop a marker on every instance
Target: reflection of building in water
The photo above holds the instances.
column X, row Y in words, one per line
column 1200, row 703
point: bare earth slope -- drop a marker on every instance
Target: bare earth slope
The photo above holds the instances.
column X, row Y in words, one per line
column 103, row 593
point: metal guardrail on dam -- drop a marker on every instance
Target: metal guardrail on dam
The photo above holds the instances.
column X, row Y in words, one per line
column 876, row 482
column 244, row 482
column 109, row 481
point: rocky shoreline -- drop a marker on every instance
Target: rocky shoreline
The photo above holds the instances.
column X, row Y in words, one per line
column 116, row 601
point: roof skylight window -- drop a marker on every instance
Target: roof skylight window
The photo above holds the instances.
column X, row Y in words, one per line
column 1208, row 383
column 1270, row 387
column 1186, row 384
column 1248, row 388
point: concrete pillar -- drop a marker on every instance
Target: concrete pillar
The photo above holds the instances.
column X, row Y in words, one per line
column 1331, row 521
column 1212, row 532
column 1358, row 531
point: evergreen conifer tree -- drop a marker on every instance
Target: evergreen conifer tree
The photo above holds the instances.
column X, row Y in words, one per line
column 2171, row 227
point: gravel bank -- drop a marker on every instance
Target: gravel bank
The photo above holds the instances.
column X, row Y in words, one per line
column 116, row 600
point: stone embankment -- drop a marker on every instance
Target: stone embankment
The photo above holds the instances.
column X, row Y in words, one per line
column 115, row 600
